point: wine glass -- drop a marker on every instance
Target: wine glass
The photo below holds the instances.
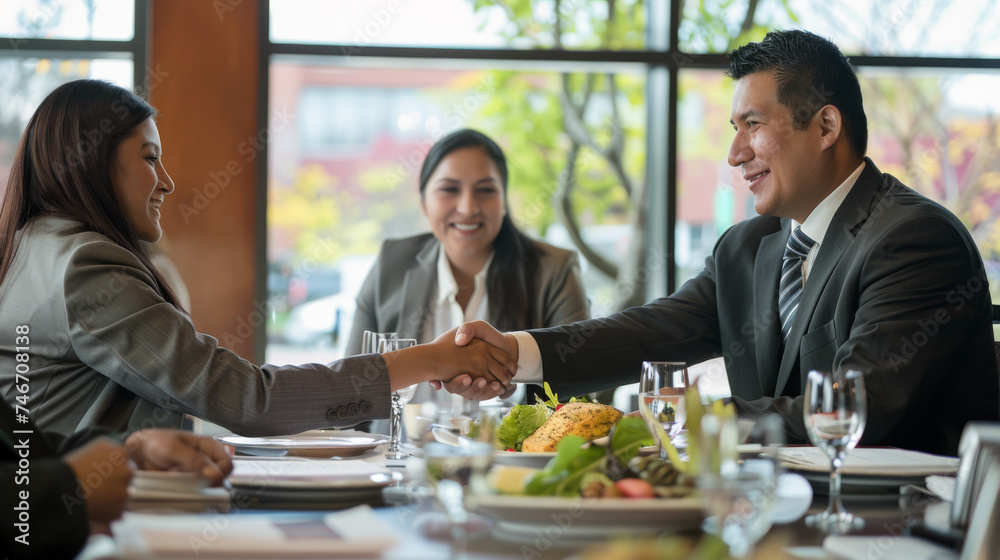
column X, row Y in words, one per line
column 399, row 398
column 661, row 388
column 835, row 411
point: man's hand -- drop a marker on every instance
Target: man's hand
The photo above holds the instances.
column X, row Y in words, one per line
column 103, row 472
column 478, row 390
column 482, row 330
column 177, row 450
column 481, row 364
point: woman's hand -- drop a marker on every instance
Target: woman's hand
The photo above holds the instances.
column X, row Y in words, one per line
column 482, row 365
column 177, row 450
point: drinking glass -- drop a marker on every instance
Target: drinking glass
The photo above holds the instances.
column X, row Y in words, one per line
column 399, row 398
column 660, row 384
column 453, row 471
column 370, row 340
column 835, row 411
column 740, row 502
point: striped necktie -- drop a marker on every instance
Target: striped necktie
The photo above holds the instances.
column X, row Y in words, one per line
column 790, row 288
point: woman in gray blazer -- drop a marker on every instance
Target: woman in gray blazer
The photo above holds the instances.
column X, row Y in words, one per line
column 91, row 333
column 475, row 263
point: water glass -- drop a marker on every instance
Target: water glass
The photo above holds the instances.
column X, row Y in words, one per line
column 454, row 471
column 662, row 385
column 370, row 340
column 399, row 399
column 835, row 411
column 740, row 501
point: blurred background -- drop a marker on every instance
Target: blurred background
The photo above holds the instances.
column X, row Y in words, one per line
column 295, row 129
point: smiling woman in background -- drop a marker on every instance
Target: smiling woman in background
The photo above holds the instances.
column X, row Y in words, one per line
column 474, row 264
column 109, row 344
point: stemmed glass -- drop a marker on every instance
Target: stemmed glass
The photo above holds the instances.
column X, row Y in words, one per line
column 662, row 383
column 835, row 412
column 399, row 398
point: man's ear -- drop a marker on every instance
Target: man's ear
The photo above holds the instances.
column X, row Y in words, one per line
column 831, row 125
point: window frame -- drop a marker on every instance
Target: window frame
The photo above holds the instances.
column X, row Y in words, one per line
column 664, row 62
column 137, row 48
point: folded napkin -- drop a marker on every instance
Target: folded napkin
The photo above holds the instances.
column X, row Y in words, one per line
column 942, row 486
column 871, row 461
column 202, row 495
column 173, row 486
column 354, row 533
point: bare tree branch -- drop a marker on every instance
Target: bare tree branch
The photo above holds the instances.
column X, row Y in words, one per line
column 748, row 18
column 614, row 153
column 564, row 211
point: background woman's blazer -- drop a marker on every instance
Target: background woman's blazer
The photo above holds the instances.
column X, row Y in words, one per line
column 396, row 295
column 106, row 349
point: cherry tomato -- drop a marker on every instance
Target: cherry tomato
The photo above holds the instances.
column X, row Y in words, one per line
column 635, row 488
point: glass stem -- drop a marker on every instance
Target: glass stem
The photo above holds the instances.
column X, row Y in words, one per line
column 459, row 541
column 836, row 507
column 395, row 421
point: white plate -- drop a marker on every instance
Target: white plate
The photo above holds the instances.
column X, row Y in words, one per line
column 168, row 481
column 528, row 517
column 314, row 443
column 535, row 460
column 375, row 480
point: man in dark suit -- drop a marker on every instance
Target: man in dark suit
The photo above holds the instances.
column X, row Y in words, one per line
column 845, row 268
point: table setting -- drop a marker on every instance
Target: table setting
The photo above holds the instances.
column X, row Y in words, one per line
column 685, row 469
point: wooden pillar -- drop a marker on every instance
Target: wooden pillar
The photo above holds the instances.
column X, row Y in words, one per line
column 202, row 78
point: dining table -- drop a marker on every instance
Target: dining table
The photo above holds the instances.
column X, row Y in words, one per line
column 395, row 517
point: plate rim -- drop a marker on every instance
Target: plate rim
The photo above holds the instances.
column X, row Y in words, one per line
column 612, row 504
column 282, row 442
column 311, row 483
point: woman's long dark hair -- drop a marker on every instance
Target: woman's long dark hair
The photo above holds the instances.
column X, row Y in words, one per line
column 511, row 279
column 63, row 167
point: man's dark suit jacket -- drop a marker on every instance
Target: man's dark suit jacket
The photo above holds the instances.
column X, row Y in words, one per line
column 56, row 515
column 898, row 291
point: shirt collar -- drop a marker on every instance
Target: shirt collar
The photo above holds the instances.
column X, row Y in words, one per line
column 447, row 286
column 819, row 219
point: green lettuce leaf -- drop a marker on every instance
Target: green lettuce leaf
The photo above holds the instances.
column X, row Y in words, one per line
column 630, row 434
column 519, row 423
column 563, row 474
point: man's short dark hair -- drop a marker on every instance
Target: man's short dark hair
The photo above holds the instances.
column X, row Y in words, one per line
column 810, row 72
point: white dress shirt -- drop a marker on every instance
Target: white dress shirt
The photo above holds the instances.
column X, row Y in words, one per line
column 529, row 358
column 446, row 313
column 819, row 219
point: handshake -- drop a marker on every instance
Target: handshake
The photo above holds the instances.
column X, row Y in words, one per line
column 473, row 360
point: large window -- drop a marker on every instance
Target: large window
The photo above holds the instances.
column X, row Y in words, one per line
column 44, row 44
column 342, row 168
column 370, row 89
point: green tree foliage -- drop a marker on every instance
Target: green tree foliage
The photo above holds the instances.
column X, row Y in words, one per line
column 576, row 140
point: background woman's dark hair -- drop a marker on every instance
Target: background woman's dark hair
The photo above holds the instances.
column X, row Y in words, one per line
column 63, row 167
column 511, row 279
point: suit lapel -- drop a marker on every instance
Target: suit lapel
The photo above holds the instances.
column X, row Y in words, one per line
column 417, row 288
column 854, row 211
column 766, row 269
